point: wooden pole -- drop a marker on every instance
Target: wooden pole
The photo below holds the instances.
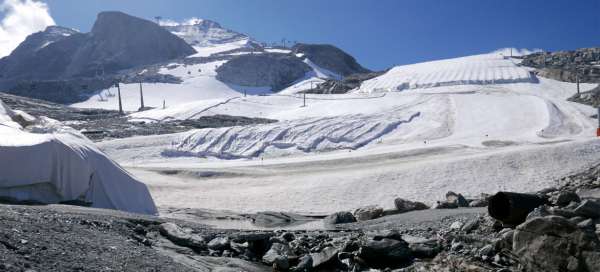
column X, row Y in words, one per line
column 120, row 103
column 304, row 100
column 577, row 79
column 141, row 97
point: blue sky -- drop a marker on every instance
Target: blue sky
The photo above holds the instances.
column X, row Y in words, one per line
column 381, row 33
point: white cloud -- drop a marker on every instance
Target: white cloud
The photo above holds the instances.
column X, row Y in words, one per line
column 21, row 18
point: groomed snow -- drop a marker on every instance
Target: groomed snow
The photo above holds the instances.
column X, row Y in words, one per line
column 57, row 164
column 474, row 124
column 199, row 84
column 493, row 68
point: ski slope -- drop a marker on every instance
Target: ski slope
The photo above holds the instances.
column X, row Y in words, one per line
column 473, row 124
column 199, row 84
column 493, row 68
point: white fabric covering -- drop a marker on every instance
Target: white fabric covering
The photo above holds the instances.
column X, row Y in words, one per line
column 61, row 166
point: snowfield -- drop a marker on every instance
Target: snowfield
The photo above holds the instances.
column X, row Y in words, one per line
column 472, row 124
column 199, row 84
column 479, row 69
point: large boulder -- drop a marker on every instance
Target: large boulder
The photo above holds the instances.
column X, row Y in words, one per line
column 403, row 205
column 340, row 218
column 368, row 213
column 553, row 243
column 385, row 253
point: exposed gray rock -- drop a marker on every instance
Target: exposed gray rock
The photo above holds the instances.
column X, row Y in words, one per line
column 390, row 234
column 330, row 57
column 368, row 213
column 281, row 263
column 423, row 251
column 274, row 252
column 305, row 264
column 470, row 225
column 540, row 211
column 562, row 65
column 403, row 205
column 219, row 243
column 552, row 243
column 340, row 218
column 263, row 70
column 564, row 198
column 336, row 86
column 326, row 256
column 181, row 237
column 458, row 199
column 385, row 253
column 74, row 66
column 588, row 208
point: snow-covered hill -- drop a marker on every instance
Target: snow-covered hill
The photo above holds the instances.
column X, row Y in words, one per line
column 476, row 124
column 490, row 68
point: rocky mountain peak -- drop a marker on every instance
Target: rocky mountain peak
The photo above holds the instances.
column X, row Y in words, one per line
column 201, row 32
column 330, row 57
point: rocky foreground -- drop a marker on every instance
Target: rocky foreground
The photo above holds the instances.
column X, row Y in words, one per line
column 558, row 235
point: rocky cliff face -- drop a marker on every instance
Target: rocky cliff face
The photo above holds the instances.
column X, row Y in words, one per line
column 117, row 41
column 330, row 57
column 260, row 70
column 564, row 65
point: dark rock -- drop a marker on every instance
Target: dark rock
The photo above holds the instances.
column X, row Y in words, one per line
column 403, row 205
column 180, row 237
column 576, row 219
column 423, row 251
column 445, row 205
column 540, row 211
column 275, row 70
column 505, row 241
column 327, row 256
column 288, row 236
column 305, row 264
column 562, row 212
column 281, row 263
column 564, row 198
column 330, row 57
column 591, row 260
column 390, row 234
column 458, row 199
column 551, row 243
column 340, row 218
column 587, row 225
column 588, row 208
column 470, row 225
column 368, row 213
column 274, row 252
column 219, row 243
column 487, row 250
column 336, row 86
column 386, row 252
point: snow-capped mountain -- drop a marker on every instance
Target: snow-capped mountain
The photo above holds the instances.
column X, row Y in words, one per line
column 203, row 33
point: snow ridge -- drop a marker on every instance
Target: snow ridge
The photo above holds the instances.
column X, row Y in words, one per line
column 309, row 135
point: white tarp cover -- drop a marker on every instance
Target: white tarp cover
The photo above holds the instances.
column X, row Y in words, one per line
column 64, row 166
